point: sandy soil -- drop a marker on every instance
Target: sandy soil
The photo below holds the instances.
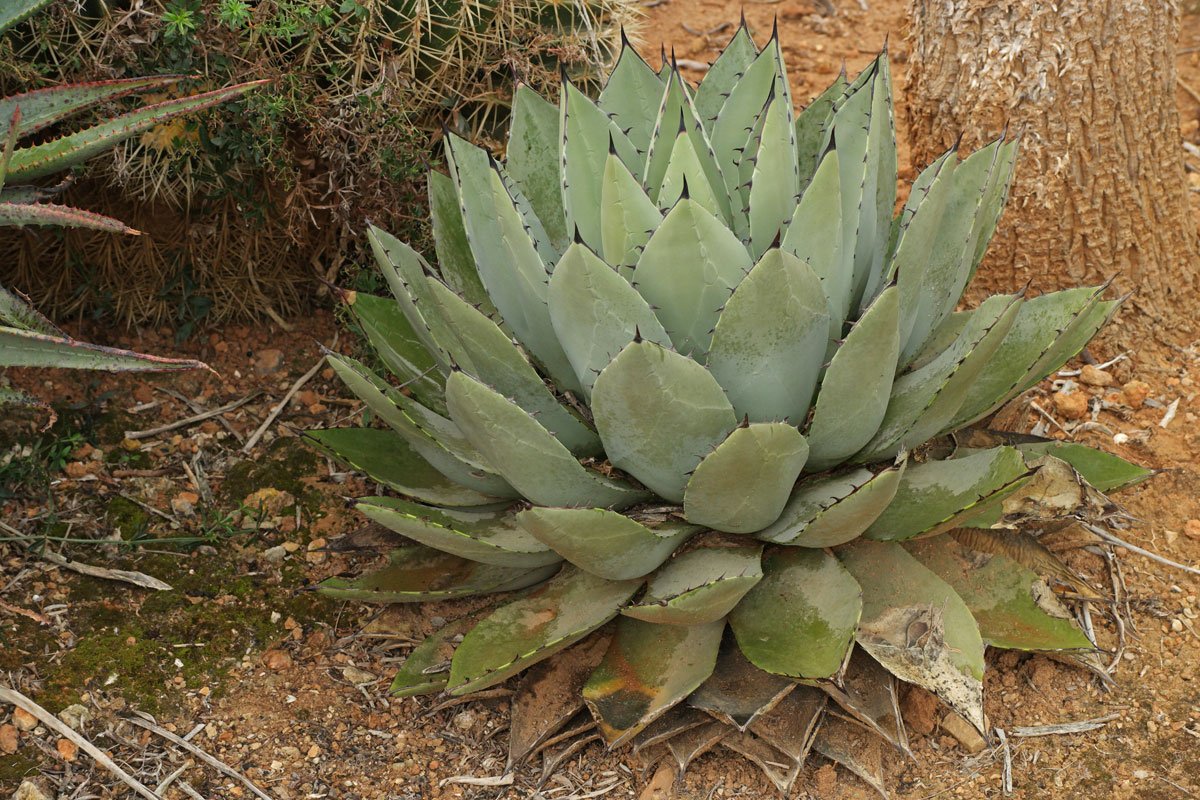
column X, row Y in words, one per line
column 289, row 689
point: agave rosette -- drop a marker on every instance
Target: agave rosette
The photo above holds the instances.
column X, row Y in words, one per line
column 673, row 380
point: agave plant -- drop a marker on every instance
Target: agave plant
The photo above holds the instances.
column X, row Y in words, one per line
column 27, row 339
column 683, row 382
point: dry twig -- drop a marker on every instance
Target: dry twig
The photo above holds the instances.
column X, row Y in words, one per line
column 52, row 722
column 1082, row 726
column 1133, row 548
column 41, row 619
column 202, row 755
column 287, row 398
column 192, row 420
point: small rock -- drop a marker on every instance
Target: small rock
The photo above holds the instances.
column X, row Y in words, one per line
column 75, row 715
column 268, row 362
column 28, row 790
column 662, row 785
column 76, row 469
column 1177, row 625
column 267, row 502
column 275, row 555
column 1141, row 774
column 24, row 720
column 316, row 554
column 1191, row 529
column 920, row 710
column 132, row 445
column 313, row 751
column 464, row 720
column 307, row 397
column 1136, row 393
column 8, row 739
column 184, row 503
column 964, row 732
column 67, row 750
column 1071, row 406
column 276, row 660
column 357, row 676
column 1093, row 376
column 291, row 547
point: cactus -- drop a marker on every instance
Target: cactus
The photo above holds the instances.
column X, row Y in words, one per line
column 684, row 382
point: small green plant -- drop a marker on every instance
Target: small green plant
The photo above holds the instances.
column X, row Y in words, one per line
column 234, row 14
column 682, row 381
column 29, row 467
column 181, row 20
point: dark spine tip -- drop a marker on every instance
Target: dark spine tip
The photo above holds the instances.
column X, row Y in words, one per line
column 745, row 422
column 777, row 242
column 575, row 236
column 958, row 142
column 884, row 50
column 625, row 43
column 685, row 193
column 682, row 121
column 637, row 335
column 832, row 142
column 775, row 29
column 612, row 143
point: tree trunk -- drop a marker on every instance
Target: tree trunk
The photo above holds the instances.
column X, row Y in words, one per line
column 1090, row 88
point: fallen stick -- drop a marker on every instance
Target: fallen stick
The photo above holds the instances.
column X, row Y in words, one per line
column 1067, row 727
column 196, row 408
column 278, row 409
column 192, row 420
column 201, row 754
column 1133, row 548
column 19, row 700
column 1006, row 773
column 1184, row 85
column 41, row 619
column 124, row 575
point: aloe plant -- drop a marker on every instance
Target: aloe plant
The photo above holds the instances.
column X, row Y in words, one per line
column 683, row 381
column 27, row 339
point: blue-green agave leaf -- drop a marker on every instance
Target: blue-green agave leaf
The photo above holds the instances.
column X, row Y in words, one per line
column 519, row 448
column 916, row 625
column 418, row 574
column 699, row 586
column 658, row 414
column 801, row 618
column 743, row 485
column 535, row 627
column 769, row 342
column 490, row 537
column 605, row 543
column 828, row 510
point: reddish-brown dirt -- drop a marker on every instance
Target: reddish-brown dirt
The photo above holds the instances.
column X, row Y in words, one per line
column 290, row 690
